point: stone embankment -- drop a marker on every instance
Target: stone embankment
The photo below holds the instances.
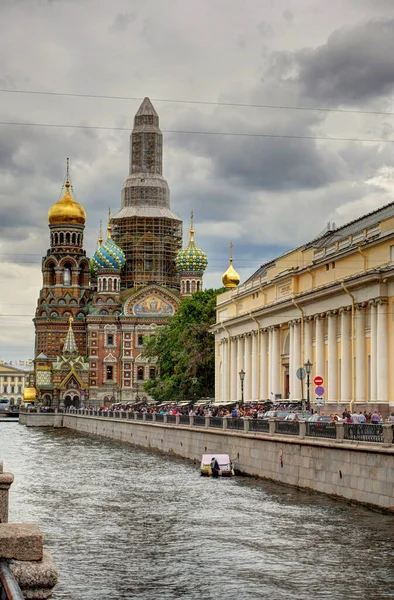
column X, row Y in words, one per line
column 22, row 547
column 359, row 471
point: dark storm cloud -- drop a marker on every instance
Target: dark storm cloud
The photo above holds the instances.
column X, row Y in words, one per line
column 354, row 66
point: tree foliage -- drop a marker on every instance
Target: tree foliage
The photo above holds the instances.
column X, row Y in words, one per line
column 184, row 351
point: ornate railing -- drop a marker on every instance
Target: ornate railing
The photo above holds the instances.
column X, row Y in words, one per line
column 171, row 418
column 9, row 588
column 364, row 432
column 287, row 427
column 184, row 420
column 148, row 416
column 160, row 418
column 259, row 425
column 216, row 422
column 199, row 421
column 321, row 430
column 235, row 423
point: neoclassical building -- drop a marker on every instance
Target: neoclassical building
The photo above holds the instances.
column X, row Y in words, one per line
column 331, row 302
column 93, row 316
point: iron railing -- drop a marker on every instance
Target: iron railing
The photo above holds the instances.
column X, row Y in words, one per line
column 199, row 421
column 321, row 430
column 235, row 423
column 159, row 418
column 287, row 427
column 184, row 420
column 148, row 416
column 216, row 422
column 259, row 425
column 9, row 587
column 171, row 418
column 364, row 432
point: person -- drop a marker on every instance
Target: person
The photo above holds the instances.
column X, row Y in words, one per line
column 355, row 417
column 215, row 467
column 391, row 417
column 362, row 418
column 375, row 418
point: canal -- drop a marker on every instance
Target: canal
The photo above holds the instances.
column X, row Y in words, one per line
column 124, row 523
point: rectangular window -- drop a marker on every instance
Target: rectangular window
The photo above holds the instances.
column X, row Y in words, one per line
column 140, row 341
column 152, row 373
column 109, row 372
column 110, row 340
column 140, row 374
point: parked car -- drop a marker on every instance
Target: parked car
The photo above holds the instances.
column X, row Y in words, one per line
column 278, row 415
column 320, row 419
column 298, row 416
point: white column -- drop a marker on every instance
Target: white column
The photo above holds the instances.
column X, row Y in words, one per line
column 264, row 392
column 308, row 344
column 255, row 366
column 233, row 370
column 360, row 355
column 275, row 360
column 291, row 359
column 332, row 358
column 374, row 348
column 248, row 368
column 346, row 358
column 297, row 359
column 270, row 363
column 220, row 373
column 240, row 364
column 382, row 353
column 320, row 366
column 225, row 370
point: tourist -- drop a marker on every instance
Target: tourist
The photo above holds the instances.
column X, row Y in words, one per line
column 375, row 418
column 391, row 417
column 215, row 467
column 361, row 417
column 355, row 417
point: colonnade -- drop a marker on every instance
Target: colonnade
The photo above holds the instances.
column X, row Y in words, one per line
column 335, row 341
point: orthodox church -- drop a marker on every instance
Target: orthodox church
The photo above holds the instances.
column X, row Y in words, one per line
column 93, row 315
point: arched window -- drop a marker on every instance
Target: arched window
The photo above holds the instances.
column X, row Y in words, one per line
column 67, row 238
column 140, row 373
column 110, row 284
column 193, row 286
column 51, row 275
column 67, row 274
column 187, row 287
column 74, row 238
column 198, row 286
column 104, row 285
column 61, row 238
column 104, row 313
column 115, row 284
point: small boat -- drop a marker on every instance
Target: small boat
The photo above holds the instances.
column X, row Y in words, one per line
column 224, row 461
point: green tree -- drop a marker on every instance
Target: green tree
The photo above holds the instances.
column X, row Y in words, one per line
column 184, row 351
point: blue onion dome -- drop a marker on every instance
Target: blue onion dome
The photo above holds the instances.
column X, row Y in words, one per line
column 108, row 254
column 191, row 258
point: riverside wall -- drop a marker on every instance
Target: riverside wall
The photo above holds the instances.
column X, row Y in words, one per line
column 357, row 471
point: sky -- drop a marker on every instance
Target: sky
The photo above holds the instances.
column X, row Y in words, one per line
column 263, row 81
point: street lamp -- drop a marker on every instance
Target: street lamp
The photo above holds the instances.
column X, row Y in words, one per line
column 242, row 377
column 308, row 368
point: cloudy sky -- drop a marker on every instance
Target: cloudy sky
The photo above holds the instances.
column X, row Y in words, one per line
column 267, row 194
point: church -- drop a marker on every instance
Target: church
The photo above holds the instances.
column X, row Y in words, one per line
column 93, row 314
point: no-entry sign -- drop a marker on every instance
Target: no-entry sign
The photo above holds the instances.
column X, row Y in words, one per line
column 318, row 380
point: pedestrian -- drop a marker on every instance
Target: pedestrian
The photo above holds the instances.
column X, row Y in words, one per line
column 215, row 467
column 362, row 417
column 375, row 418
column 391, row 417
column 355, row 418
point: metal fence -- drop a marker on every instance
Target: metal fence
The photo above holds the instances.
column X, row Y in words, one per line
column 9, row 588
column 364, row 432
column 287, row 427
column 216, row 422
column 259, row 425
column 199, row 421
column 235, row 424
column 160, row 418
column 171, row 418
column 321, row 430
column 148, row 416
column 184, row 420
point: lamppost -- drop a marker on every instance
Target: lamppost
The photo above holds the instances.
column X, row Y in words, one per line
column 308, row 368
column 242, row 377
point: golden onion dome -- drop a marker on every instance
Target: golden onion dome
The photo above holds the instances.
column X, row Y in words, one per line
column 67, row 210
column 231, row 278
column 29, row 394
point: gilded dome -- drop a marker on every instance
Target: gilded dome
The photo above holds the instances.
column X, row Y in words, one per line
column 191, row 258
column 230, row 278
column 108, row 255
column 29, row 394
column 67, row 210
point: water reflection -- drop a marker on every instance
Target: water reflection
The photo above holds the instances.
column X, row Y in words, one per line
column 124, row 523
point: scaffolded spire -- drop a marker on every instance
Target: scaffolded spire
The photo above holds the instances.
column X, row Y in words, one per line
column 70, row 344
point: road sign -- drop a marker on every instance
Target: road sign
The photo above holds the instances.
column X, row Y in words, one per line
column 301, row 373
column 318, row 380
column 319, row 391
column 319, row 401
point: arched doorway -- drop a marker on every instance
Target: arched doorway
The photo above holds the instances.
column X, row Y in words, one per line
column 71, row 399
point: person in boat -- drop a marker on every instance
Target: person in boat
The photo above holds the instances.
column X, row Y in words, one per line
column 215, row 467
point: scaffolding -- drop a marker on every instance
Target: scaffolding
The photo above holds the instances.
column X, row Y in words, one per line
column 150, row 245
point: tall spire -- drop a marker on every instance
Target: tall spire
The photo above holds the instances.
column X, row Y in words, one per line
column 192, row 226
column 70, row 344
column 100, row 239
column 109, row 226
column 146, row 151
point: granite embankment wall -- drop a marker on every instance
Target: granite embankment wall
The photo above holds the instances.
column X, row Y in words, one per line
column 357, row 471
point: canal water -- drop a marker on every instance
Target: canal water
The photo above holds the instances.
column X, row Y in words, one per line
column 123, row 523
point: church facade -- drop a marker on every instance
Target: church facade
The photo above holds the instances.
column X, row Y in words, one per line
column 93, row 315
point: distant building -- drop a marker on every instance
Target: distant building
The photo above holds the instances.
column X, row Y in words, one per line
column 12, row 383
column 93, row 315
column 329, row 301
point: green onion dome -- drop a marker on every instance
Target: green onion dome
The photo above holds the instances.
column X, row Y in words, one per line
column 108, row 255
column 191, row 258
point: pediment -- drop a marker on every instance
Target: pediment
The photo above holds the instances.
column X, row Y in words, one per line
column 151, row 301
